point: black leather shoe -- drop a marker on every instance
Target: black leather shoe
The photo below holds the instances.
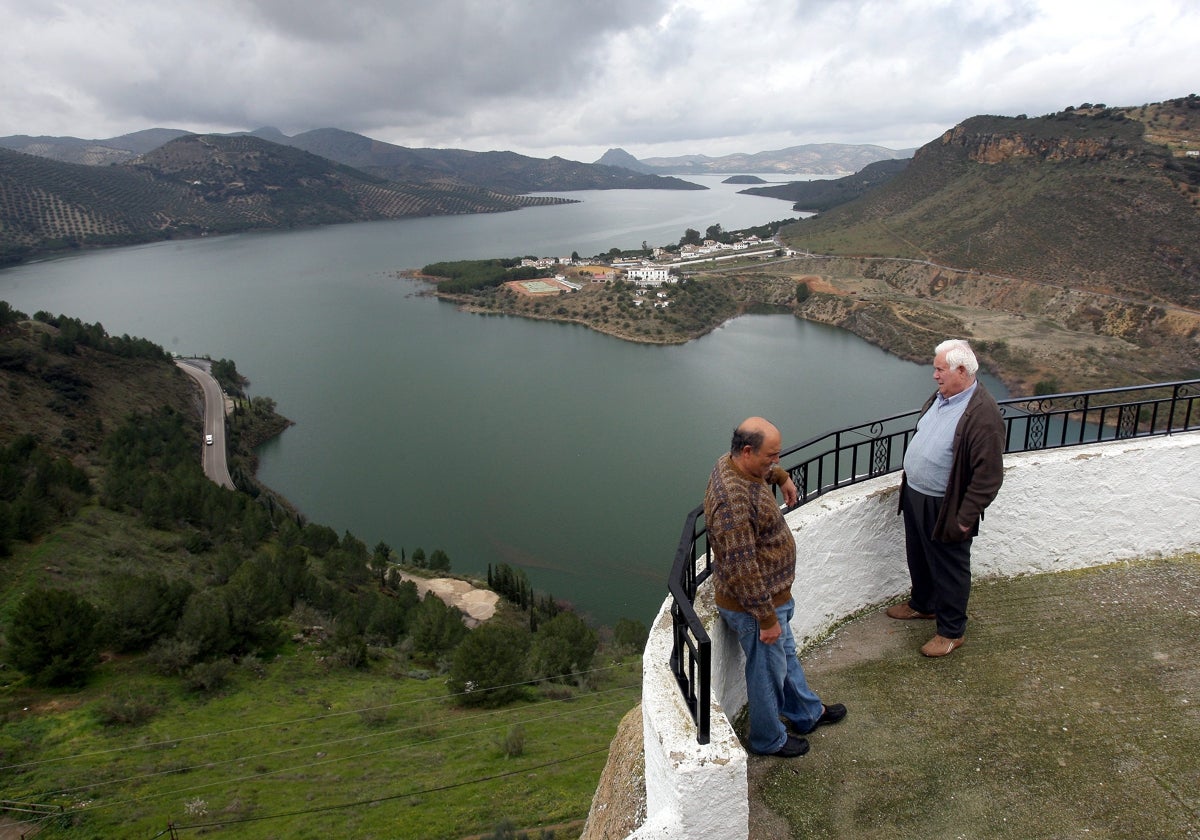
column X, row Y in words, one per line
column 791, row 748
column 830, row 714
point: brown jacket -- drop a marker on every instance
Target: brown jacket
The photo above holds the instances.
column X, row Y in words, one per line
column 754, row 553
column 978, row 468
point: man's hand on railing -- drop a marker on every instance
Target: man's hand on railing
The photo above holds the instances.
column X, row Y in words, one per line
column 790, row 494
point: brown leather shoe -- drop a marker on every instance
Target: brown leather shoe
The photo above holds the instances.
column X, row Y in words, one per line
column 905, row 613
column 941, row 646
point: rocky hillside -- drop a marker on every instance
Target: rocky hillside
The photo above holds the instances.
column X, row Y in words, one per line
column 1089, row 199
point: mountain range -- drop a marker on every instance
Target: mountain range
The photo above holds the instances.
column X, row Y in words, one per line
column 1110, row 192
column 810, row 159
column 64, row 192
column 499, row 171
column 200, row 184
column 67, row 192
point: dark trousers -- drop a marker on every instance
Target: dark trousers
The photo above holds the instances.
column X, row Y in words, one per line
column 940, row 571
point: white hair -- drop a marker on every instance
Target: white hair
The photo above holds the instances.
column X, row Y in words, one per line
column 958, row 354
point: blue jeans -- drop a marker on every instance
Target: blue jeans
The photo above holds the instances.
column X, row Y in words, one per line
column 775, row 683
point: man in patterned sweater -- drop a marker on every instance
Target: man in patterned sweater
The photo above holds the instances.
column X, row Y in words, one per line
column 754, row 564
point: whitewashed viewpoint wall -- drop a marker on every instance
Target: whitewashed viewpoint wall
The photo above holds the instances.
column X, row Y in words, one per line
column 1058, row 509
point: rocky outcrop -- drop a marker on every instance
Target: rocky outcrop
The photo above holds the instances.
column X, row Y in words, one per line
column 1028, row 332
column 1000, row 147
column 619, row 805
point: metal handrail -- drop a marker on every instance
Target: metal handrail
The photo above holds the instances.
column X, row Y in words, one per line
column 859, row 453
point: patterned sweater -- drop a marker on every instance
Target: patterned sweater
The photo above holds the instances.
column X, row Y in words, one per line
column 754, row 553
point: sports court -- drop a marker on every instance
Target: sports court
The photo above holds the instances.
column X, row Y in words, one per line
column 537, row 287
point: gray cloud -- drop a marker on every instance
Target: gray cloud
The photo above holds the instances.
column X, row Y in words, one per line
column 574, row 78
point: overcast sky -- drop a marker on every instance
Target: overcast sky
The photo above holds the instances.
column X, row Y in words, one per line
column 577, row 77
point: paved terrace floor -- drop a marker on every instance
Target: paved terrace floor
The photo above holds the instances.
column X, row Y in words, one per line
column 1072, row 711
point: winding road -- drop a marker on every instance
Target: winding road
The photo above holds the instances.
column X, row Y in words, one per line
column 215, row 465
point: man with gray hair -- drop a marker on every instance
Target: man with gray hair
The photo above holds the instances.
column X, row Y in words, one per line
column 953, row 468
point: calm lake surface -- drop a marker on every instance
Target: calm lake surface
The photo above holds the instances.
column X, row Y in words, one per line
column 569, row 454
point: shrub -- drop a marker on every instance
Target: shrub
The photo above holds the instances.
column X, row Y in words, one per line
column 489, row 666
column 171, row 657
column 347, row 651
column 205, row 623
column 514, row 742
column 630, row 634
column 380, row 712
column 128, row 708
column 207, row 677
column 435, row 627
column 141, row 609
column 53, row 638
column 563, row 646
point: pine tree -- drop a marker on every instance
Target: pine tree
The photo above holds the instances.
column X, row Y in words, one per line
column 53, row 637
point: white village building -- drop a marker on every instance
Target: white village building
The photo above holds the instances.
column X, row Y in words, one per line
column 650, row 275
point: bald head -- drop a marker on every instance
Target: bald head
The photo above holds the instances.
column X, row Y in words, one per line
column 751, row 432
column 755, row 446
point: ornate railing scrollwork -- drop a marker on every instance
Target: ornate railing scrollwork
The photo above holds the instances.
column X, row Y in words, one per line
column 880, row 456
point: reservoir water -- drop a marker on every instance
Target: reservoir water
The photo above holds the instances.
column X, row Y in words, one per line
column 569, row 454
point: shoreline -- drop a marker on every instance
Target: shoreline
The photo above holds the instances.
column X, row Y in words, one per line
column 466, row 305
column 905, row 307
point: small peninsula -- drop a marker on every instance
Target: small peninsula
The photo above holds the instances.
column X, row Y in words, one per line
column 884, row 301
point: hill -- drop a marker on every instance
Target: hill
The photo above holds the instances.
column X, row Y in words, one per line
column 1067, row 246
column 503, row 171
column 1081, row 198
column 198, row 184
column 498, row 171
column 820, row 195
column 809, row 159
column 622, row 158
column 92, row 152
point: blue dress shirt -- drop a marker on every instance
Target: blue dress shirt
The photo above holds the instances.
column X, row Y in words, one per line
column 928, row 459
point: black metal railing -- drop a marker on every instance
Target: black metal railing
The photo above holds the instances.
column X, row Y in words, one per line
column 859, row 453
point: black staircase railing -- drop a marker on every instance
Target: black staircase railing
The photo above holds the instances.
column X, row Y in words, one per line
column 848, row 456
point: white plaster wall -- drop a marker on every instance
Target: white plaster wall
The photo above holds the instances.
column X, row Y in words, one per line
column 692, row 790
column 1059, row 509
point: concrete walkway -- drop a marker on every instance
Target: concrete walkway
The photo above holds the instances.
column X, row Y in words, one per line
column 1072, row 711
